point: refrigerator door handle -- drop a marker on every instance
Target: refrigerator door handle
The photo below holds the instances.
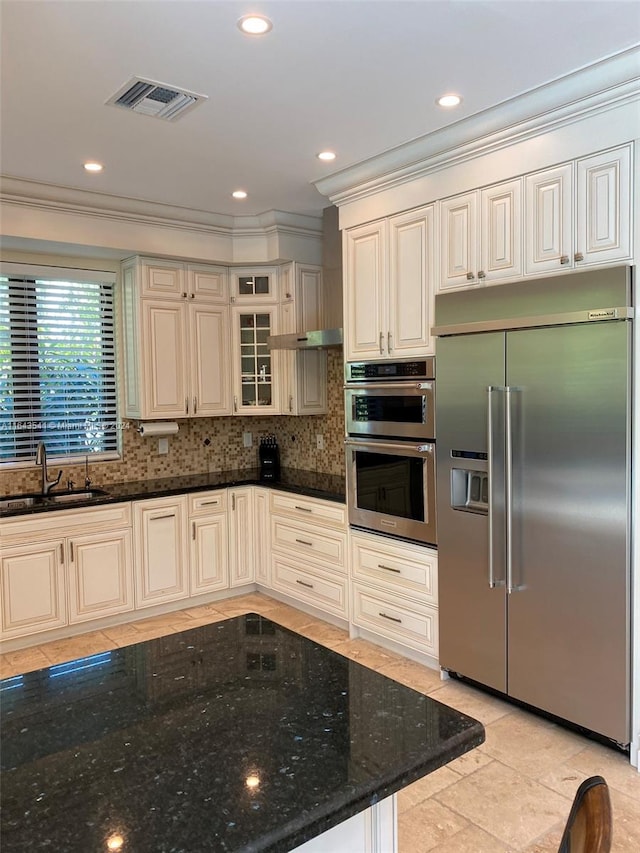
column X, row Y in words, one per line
column 508, row 487
column 491, row 389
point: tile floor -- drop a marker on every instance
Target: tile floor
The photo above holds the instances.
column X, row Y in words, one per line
column 511, row 794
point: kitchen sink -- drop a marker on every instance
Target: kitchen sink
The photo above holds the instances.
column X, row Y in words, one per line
column 70, row 497
column 19, row 501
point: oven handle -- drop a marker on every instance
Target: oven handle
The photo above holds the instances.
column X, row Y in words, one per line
column 377, row 446
column 381, row 387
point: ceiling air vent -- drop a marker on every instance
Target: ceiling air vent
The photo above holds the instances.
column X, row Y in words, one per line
column 155, row 99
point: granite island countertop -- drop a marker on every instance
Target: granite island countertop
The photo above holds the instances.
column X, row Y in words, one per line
column 311, row 483
column 240, row 735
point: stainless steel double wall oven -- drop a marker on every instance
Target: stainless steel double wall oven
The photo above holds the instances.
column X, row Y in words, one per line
column 390, row 447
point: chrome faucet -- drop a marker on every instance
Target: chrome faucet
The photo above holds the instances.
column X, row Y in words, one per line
column 41, row 459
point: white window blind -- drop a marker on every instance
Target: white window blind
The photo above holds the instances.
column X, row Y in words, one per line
column 57, row 368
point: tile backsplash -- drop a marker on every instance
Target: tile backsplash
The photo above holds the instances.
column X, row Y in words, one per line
column 214, row 444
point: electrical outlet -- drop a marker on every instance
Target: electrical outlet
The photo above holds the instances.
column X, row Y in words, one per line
column 319, row 441
column 247, row 439
column 163, row 446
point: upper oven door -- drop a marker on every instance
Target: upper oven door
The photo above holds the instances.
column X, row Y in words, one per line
column 391, row 409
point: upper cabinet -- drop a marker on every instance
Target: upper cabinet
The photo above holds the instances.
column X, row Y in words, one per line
column 579, row 214
column 254, row 285
column 389, row 284
column 481, row 236
column 176, row 337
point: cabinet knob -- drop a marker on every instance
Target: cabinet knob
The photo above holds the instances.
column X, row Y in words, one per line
column 564, row 259
column 184, row 295
column 482, row 274
column 578, row 257
column 470, row 276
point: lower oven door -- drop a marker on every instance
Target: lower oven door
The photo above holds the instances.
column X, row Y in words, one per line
column 391, row 487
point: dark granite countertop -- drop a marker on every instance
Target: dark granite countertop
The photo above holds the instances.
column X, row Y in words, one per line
column 236, row 736
column 311, row 483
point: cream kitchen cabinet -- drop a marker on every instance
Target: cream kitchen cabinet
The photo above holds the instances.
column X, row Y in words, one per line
column 303, row 373
column 176, row 342
column 161, row 550
column 481, row 236
column 241, row 539
column 254, row 285
column 209, row 548
column 65, row 567
column 262, row 536
column 579, row 213
column 309, row 552
column 256, row 385
column 390, row 269
column 394, row 591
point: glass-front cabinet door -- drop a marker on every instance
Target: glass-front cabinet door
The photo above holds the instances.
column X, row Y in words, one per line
column 254, row 285
column 255, row 386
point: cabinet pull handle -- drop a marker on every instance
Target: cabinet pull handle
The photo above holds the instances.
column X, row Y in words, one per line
column 193, row 530
column 391, row 618
column 158, row 517
column 214, row 502
column 380, row 343
column 233, row 502
column 290, row 402
column 235, row 404
column 186, row 404
column 304, row 542
column 389, row 568
column 195, row 405
column 303, row 583
column 482, row 274
column 578, row 257
column 389, row 342
column 71, row 550
column 564, row 259
column 303, row 508
column 61, row 552
column 470, row 276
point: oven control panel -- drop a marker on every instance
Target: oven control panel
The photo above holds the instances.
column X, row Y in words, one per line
column 372, row 371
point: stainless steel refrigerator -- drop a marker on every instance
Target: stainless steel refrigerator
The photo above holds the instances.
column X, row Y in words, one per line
column 533, row 418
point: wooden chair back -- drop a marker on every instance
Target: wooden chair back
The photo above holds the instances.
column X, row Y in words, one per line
column 589, row 825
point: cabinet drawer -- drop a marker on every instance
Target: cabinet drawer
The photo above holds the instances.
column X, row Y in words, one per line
column 407, row 569
column 204, row 503
column 64, row 522
column 308, row 541
column 294, row 506
column 402, row 620
column 324, row 591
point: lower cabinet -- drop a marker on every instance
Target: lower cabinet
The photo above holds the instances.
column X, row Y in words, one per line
column 394, row 591
column 241, row 548
column 261, row 535
column 65, row 568
column 209, row 547
column 162, row 553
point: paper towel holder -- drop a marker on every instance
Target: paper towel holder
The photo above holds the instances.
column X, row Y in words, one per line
column 157, row 428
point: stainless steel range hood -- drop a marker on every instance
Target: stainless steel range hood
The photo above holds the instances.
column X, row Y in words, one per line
column 317, row 339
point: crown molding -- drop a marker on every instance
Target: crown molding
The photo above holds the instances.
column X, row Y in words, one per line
column 595, row 88
column 44, row 196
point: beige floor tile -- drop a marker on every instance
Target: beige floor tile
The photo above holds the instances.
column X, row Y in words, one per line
column 251, row 603
column 128, row 635
column 290, row 618
column 471, row 701
column 426, row 787
column 529, row 744
column 626, row 822
column 177, row 617
column 368, row 654
column 549, row 842
column 426, row 826
column 414, row 675
column 201, row 610
column 506, row 804
column 23, row 660
column 204, row 619
column 471, row 839
column 324, row 633
column 61, row 651
column 470, row 762
column 613, row 766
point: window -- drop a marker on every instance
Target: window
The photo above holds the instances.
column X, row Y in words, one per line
column 57, row 367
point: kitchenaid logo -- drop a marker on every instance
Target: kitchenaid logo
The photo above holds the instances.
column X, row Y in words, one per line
column 604, row 314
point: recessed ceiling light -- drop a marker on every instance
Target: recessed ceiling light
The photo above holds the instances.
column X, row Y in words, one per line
column 239, row 194
column 91, row 166
column 254, row 25
column 326, row 155
column 449, row 101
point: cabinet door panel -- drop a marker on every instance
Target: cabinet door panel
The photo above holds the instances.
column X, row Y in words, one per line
column 364, row 291
column 164, row 278
column 209, row 563
column 208, row 284
column 262, row 536
column 242, row 568
column 549, row 220
column 164, row 359
column 256, row 386
column 210, row 364
column 604, row 207
column 161, row 552
column 501, row 229
column 411, row 283
column 100, row 575
column 33, row 591
column 459, row 239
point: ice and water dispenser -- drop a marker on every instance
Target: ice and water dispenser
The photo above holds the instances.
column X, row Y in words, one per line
column 469, row 487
